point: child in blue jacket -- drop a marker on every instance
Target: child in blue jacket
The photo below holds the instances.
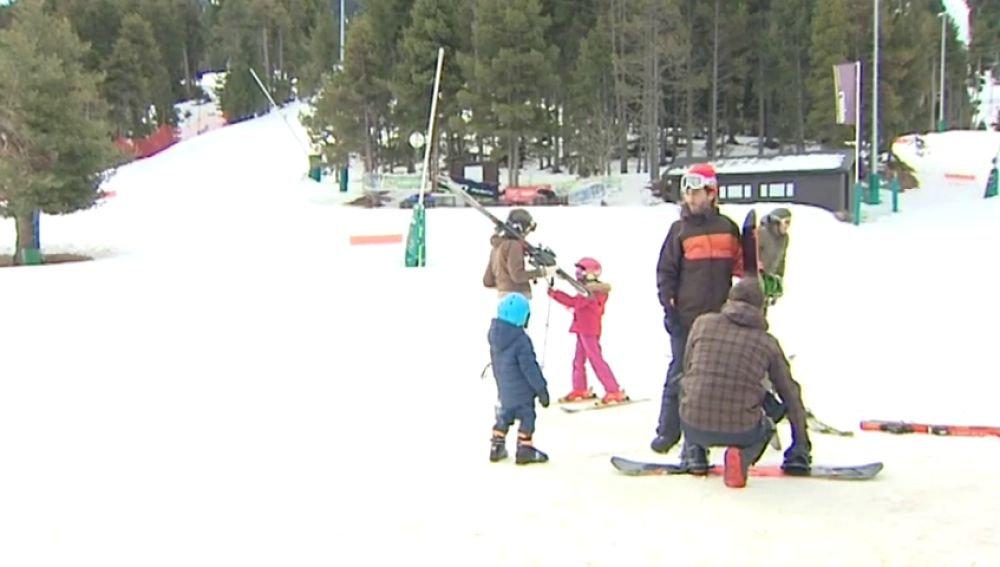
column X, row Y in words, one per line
column 519, row 380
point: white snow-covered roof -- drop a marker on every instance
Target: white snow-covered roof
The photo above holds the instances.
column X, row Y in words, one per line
column 796, row 162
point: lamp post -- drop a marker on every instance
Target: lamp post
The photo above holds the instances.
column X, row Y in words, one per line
column 873, row 180
column 342, row 42
column 941, row 115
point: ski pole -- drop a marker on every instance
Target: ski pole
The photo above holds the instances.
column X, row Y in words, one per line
column 548, row 313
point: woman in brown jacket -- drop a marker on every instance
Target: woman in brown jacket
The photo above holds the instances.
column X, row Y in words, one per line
column 506, row 271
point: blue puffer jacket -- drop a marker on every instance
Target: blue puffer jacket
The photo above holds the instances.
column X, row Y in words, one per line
column 519, row 379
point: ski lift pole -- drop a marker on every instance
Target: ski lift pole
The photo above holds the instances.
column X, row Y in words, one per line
column 429, row 147
column 274, row 105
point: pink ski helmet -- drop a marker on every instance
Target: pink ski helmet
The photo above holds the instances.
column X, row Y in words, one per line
column 588, row 268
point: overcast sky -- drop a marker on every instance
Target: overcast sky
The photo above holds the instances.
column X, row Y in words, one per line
column 959, row 12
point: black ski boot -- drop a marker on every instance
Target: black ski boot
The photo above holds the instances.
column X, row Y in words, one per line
column 694, row 458
column 498, row 447
column 774, row 408
column 527, row 453
column 662, row 445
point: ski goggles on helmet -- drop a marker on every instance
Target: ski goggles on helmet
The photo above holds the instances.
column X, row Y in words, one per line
column 694, row 181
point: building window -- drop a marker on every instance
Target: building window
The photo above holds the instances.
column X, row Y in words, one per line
column 736, row 192
column 777, row 190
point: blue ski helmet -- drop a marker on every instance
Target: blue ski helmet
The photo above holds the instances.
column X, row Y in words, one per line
column 514, row 308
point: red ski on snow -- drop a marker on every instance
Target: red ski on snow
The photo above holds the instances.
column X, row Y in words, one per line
column 931, row 429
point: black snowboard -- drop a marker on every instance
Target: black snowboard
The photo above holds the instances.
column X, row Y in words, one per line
column 830, row 472
column 748, row 236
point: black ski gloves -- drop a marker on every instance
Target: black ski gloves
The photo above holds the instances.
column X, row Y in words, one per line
column 543, row 398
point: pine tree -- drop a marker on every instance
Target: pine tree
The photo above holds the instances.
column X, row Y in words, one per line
column 570, row 21
column 95, row 22
column 58, row 149
column 137, row 82
column 984, row 51
column 241, row 41
column 790, row 33
column 830, row 39
column 516, row 65
column 324, row 55
column 590, row 103
column 352, row 111
column 433, row 24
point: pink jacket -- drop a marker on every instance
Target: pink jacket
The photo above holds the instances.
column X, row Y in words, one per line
column 587, row 311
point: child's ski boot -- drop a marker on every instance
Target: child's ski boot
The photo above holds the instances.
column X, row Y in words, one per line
column 527, row 453
column 578, row 396
column 498, row 447
column 614, row 398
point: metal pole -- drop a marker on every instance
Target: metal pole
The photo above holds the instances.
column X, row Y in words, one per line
column 342, row 42
column 857, row 122
column 428, row 148
column 873, row 154
column 274, row 106
column 941, row 114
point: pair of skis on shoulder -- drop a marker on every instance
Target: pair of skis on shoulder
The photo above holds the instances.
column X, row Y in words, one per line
column 538, row 256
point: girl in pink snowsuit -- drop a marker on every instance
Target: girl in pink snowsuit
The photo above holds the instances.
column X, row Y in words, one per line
column 587, row 314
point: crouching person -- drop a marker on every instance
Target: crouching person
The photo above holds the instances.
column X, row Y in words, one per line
column 519, row 380
column 723, row 395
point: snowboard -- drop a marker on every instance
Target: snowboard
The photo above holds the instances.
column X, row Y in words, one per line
column 831, row 472
column 901, row 427
column 748, row 238
column 538, row 256
column 569, row 407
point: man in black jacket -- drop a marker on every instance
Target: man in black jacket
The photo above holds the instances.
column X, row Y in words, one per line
column 698, row 260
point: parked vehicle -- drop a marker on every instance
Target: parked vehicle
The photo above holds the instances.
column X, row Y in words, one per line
column 536, row 195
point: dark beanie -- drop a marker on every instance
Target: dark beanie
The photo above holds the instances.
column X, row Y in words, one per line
column 748, row 291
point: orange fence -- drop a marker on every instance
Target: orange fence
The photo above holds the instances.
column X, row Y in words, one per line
column 161, row 139
column 365, row 239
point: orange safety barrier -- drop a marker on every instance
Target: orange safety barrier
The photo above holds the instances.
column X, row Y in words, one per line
column 362, row 239
column 161, row 139
column 960, row 177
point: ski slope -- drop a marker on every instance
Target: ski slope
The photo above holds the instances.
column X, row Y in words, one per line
column 231, row 383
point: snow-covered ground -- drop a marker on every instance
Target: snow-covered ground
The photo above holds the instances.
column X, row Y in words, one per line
column 231, row 383
column 951, row 166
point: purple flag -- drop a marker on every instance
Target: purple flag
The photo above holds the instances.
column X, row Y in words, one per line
column 845, row 86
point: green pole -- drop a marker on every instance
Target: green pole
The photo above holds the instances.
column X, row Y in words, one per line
column 858, row 189
column 873, row 188
column 343, row 179
column 894, row 185
column 416, row 242
column 994, row 181
column 315, row 167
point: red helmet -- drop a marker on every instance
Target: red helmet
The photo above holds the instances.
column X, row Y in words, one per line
column 588, row 268
column 700, row 176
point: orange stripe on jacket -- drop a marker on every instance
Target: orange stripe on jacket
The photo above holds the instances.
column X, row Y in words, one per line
column 715, row 247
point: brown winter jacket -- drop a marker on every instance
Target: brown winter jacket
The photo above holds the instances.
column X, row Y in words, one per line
column 728, row 355
column 506, row 271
